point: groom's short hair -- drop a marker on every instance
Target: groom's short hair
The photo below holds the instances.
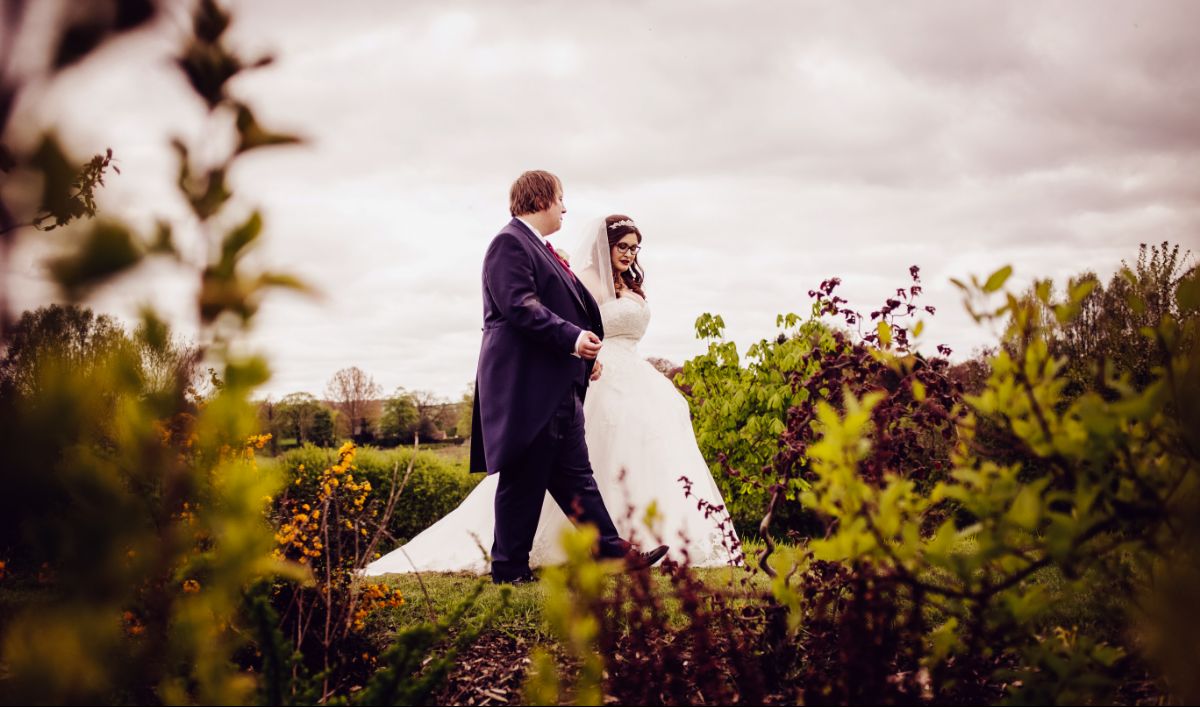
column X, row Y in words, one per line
column 533, row 191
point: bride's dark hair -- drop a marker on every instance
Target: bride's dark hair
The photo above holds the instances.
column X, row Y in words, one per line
column 634, row 276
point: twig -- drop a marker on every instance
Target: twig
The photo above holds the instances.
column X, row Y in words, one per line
column 764, row 530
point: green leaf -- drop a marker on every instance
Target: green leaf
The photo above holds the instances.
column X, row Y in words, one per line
column 210, row 21
column 1043, row 289
column 80, row 39
column 709, row 326
column 1028, row 605
column 1137, row 304
column 287, row 282
column 997, row 279
column 1080, row 291
column 885, row 334
column 164, row 243
column 918, row 390
column 247, row 373
column 252, row 135
column 1187, row 294
column 108, row 250
column 237, row 239
column 207, row 199
column 943, row 541
column 1026, row 509
column 154, row 331
column 943, row 640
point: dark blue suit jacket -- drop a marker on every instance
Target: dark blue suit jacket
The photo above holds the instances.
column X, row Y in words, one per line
column 533, row 312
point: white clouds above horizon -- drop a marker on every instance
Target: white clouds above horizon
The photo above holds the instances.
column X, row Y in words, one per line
column 761, row 147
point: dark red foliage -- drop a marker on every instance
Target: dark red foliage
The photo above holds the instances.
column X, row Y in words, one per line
column 728, row 653
column 860, row 643
column 913, row 434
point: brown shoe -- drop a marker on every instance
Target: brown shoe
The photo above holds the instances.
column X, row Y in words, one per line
column 638, row 560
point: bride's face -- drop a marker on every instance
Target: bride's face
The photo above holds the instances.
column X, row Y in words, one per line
column 624, row 252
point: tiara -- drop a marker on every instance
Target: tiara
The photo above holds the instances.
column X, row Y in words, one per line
column 618, row 224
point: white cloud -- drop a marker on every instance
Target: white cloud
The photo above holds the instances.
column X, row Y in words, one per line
column 762, row 147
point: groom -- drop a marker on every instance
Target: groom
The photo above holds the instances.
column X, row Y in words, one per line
column 541, row 334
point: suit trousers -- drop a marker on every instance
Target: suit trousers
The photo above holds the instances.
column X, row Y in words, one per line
column 556, row 462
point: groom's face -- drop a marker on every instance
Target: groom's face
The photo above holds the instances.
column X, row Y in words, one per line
column 554, row 214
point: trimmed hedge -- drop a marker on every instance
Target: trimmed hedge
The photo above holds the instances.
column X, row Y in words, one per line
column 435, row 488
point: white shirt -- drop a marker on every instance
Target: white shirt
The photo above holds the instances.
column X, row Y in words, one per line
column 543, row 239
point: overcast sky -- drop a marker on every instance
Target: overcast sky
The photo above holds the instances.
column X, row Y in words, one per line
column 761, row 147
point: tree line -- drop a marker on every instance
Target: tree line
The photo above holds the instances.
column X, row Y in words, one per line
column 354, row 408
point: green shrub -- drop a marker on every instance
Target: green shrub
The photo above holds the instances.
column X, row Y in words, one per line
column 435, row 487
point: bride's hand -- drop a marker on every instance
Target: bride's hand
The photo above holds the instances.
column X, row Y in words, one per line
column 596, row 370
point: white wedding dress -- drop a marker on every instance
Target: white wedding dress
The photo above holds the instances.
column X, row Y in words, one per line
column 634, row 420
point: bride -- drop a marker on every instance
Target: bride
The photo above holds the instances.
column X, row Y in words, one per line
column 639, row 437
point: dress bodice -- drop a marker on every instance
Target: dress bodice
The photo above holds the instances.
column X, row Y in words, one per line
column 625, row 319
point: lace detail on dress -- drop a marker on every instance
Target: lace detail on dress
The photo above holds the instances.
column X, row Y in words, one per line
column 626, row 317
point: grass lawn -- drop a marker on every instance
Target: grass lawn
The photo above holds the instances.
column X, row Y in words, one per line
column 432, row 595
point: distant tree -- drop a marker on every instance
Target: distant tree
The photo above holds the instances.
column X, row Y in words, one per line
column 268, row 417
column 323, row 434
column 57, row 335
column 297, row 414
column 168, row 360
column 445, row 419
column 430, row 413
column 400, row 418
column 465, row 417
column 1107, row 323
column 77, row 338
column 350, row 390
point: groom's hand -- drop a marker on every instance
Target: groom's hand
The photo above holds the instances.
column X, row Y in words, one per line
column 596, row 371
column 588, row 346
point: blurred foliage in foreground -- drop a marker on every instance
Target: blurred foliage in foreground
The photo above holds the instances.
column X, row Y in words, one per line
column 160, row 562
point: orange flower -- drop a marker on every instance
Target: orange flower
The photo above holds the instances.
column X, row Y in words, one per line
column 191, row 586
column 133, row 626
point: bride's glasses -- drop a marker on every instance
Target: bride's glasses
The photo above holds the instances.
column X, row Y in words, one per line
column 627, row 248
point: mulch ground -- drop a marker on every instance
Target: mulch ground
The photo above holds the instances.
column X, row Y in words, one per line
column 490, row 672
